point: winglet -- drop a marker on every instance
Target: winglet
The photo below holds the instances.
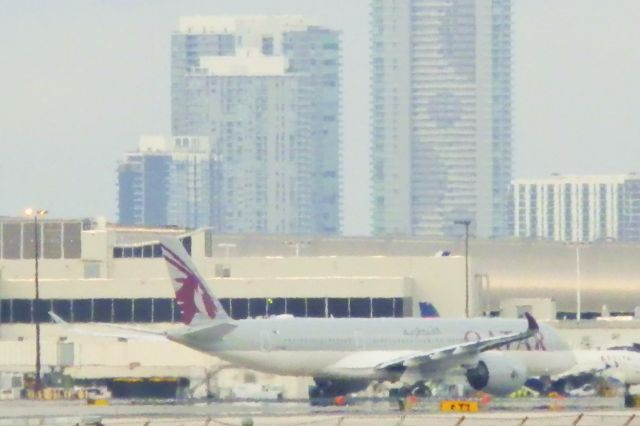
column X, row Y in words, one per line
column 532, row 324
column 57, row 319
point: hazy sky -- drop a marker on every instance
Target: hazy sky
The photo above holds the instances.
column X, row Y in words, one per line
column 81, row 80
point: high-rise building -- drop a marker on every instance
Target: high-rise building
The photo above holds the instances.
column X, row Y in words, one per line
column 577, row 208
column 266, row 91
column 441, row 116
column 143, row 184
column 167, row 182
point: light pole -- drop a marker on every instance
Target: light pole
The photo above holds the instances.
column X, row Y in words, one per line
column 297, row 245
column 36, row 243
column 466, row 224
column 578, row 285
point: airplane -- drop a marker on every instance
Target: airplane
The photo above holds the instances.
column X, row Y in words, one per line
column 345, row 355
column 621, row 363
column 428, row 310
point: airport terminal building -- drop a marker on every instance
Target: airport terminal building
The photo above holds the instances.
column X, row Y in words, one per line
column 91, row 271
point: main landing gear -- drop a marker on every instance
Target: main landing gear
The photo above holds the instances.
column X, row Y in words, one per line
column 408, row 396
column 334, row 391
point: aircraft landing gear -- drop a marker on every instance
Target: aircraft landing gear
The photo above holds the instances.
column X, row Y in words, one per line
column 327, row 392
column 320, row 397
column 408, row 396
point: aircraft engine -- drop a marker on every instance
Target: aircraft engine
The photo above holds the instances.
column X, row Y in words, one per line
column 497, row 373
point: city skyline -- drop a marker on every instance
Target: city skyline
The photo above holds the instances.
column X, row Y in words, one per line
column 72, row 105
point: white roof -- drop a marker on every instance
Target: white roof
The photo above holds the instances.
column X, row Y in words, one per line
column 236, row 24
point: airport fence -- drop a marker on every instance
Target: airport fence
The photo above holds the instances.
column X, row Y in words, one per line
column 420, row 419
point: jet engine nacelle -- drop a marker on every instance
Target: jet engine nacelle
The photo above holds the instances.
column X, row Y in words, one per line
column 497, row 373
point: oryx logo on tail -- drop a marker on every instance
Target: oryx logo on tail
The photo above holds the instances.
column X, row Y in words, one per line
column 192, row 296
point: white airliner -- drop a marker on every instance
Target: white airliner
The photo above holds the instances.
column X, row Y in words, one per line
column 621, row 363
column 346, row 355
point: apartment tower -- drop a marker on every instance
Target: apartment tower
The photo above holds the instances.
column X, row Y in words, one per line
column 266, row 92
column 441, row 116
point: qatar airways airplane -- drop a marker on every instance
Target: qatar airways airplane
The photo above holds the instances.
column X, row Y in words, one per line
column 346, row 355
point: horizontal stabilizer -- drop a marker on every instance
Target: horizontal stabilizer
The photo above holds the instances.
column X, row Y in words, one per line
column 204, row 332
column 108, row 330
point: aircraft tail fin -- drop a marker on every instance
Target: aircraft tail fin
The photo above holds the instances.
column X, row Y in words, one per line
column 427, row 310
column 195, row 300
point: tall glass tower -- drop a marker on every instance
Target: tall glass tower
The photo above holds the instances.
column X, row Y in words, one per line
column 266, row 91
column 441, row 116
column 167, row 181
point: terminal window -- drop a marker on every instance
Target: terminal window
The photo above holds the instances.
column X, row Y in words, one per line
column 55, row 239
column 145, row 250
column 153, row 310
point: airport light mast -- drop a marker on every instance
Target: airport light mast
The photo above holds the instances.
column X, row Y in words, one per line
column 36, row 243
column 466, row 224
column 297, row 245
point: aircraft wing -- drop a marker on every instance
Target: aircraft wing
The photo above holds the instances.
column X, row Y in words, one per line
column 110, row 330
column 449, row 356
column 590, row 362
